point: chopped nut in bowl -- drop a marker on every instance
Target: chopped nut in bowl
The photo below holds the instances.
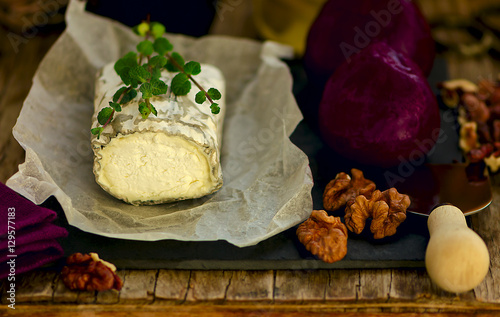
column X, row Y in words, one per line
column 479, row 120
column 452, row 89
column 343, row 188
column 468, row 137
column 324, row 236
column 86, row 272
column 387, row 210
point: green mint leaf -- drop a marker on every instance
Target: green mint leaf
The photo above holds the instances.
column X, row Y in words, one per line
column 200, row 97
column 104, row 115
column 115, row 106
column 145, row 47
column 134, row 83
column 144, row 110
column 158, row 87
column 156, row 73
column 139, row 73
column 192, row 68
column 128, row 96
column 162, row 46
column 147, row 90
column 124, row 65
column 157, row 61
column 215, row 108
column 214, row 94
column 127, row 61
column 118, row 94
column 153, row 110
column 141, row 29
column 126, row 78
column 180, row 84
column 146, row 68
column 157, row 29
column 97, row 131
column 178, row 59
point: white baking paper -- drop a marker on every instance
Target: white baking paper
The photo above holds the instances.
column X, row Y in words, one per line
column 267, row 180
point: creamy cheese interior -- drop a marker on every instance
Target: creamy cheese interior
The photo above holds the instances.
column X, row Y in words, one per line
column 154, row 166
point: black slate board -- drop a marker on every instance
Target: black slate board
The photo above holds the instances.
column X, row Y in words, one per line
column 283, row 251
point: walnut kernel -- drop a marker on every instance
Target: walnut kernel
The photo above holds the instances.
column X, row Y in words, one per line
column 324, row 236
column 89, row 273
column 387, row 210
column 343, row 189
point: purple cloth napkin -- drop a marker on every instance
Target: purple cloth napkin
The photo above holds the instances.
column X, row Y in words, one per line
column 26, row 212
column 43, row 231
column 30, row 256
column 30, row 241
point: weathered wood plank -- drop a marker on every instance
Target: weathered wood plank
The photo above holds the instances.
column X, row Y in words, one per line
column 487, row 224
column 18, row 64
column 86, row 297
column 265, row 310
column 374, row 285
column 254, row 286
column 411, row 285
column 299, row 285
column 342, row 285
column 416, row 285
column 172, row 285
column 34, row 286
column 62, row 294
column 208, row 286
column 110, row 296
column 138, row 286
column 487, row 291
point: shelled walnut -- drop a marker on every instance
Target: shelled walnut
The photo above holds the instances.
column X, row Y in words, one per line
column 87, row 272
column 324, row 236
column 387, row 210
column 343, row 188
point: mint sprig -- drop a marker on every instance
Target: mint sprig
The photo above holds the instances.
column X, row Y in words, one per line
column 144, row 77
column 175, row 62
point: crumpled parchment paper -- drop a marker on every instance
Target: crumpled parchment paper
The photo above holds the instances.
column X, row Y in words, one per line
column 267, row 180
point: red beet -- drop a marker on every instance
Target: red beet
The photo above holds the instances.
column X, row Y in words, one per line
column 379, row 109
column 343, row 28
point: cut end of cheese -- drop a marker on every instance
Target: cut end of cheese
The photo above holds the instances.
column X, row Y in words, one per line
column 152, row 167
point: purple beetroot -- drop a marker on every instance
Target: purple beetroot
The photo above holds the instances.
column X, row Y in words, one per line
column 343, row 28
column 379, row 109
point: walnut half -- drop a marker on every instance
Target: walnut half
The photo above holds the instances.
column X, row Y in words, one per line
column 387, row 210
column 87, row 272
column 343, row 189
column 324, row 236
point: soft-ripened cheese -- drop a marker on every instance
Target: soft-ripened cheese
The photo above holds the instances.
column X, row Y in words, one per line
column 172, row 156
column 154, row 166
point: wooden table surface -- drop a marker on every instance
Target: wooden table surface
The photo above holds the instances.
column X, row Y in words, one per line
column 236, row 293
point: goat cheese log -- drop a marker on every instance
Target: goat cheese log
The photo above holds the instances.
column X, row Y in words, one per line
column 169, row 157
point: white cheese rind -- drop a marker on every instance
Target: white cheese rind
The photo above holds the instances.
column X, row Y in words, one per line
column 169, row 157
